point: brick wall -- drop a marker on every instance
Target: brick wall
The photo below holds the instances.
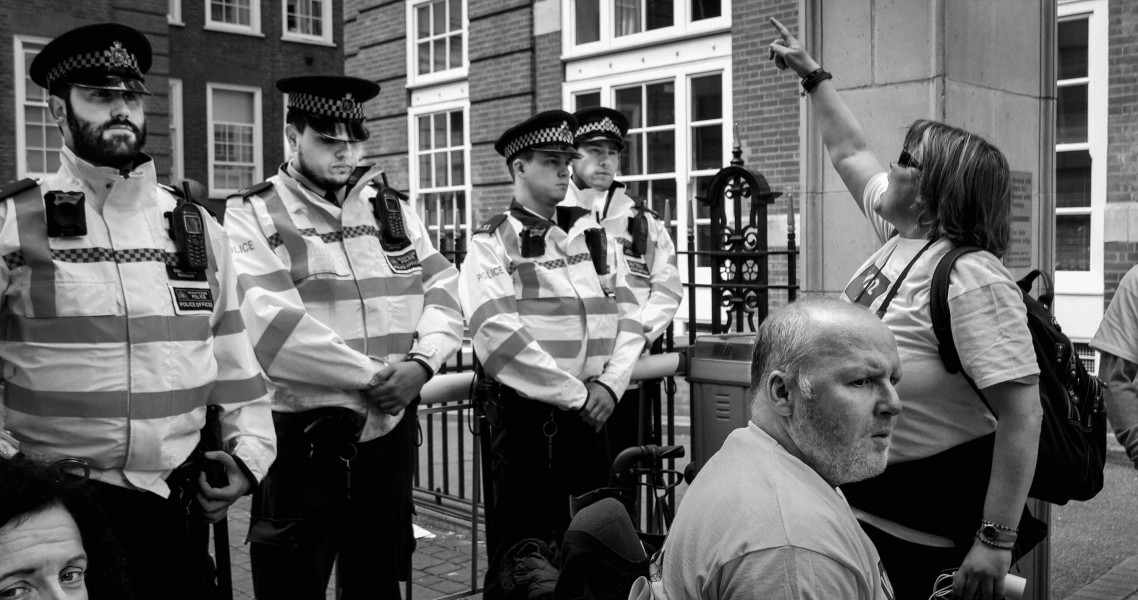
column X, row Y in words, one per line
column 765, row 108
column 199, row 56
column 503, row 62
column 1122, row 133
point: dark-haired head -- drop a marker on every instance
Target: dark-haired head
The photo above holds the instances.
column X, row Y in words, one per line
column 28, row 488
column 964, row 186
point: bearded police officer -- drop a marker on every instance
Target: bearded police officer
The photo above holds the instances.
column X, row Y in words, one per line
column 351, row 311
column 555, row 329
column 121, row 322
column 643, row 243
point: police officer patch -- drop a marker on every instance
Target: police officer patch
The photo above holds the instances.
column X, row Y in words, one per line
column 404, row 263
column 191, row 299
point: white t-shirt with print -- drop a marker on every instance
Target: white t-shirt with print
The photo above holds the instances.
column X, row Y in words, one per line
column 989, row 322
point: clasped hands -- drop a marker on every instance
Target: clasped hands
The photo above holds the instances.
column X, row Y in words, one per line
column 395, row 386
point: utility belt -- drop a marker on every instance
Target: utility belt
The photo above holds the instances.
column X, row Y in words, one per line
column 321, row 434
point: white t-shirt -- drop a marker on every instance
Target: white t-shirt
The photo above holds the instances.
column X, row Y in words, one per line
column 989, row 322
column 759, row 523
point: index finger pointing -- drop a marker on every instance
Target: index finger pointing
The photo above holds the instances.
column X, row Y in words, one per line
column 782, row 30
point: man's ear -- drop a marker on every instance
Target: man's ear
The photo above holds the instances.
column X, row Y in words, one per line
column 292, row 134
column 778, row 389
column 58, row 109
column 519, row 166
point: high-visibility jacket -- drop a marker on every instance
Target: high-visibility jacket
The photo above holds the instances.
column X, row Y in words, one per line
column 107, row 356
column 652, row 274
column 322, row 297
column 545, row 324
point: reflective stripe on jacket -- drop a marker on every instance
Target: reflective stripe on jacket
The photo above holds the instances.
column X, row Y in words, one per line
column 322, row 297
column 654, row 277
column 544, row 325
column 108, row 359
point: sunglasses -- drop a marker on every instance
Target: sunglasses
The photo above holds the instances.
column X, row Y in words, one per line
column 907, row 160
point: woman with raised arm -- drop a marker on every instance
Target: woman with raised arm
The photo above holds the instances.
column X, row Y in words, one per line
column 953, row 497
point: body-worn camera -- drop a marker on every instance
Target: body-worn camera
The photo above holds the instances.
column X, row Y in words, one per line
column 66, row 214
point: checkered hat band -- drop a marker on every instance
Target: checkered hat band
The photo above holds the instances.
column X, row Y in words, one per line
column 605, row 125
column 102, row 59
column 548, row 135
column 345, row 108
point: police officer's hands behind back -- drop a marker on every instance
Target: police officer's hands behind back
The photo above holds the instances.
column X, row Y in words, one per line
column 215, row 501
column 599, row 405
column 397, row 386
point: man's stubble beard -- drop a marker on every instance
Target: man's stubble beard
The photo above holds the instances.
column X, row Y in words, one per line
column 324, row 183
column 837, row 464
column 91, row 146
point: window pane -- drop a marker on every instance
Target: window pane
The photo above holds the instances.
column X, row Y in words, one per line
column 661, row 152
column 1072, row 179
column 455, row 15
column 701, row 186
column 441, row 168
column 628, row 102
column 586, row 100
column 424, row 58
column 456, row 168
column 587, row 16
column 439, row 24
column 707, row 147
column 626, row 18
column 707, row 97
column 664, row 189
column 455, row 52
column 1073, row 242
column 456, row 131
column 660, row 14
column 705, row 9
column 632, row 159
column 440, row 130
column 425, row 170
column 425, row 132
column 423, row 16
column 1072, row 114
column 661, row 104
column 1073, row 48
column 232, row 106
column 440, row 51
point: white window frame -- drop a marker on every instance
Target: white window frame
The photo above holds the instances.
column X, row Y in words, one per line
column 254, row 27
column 467, row 188
column 174, row 15
column 1095, row 11
column 258, row 142
column 626, row 69
column 682, row 27
column 19, row 68
column 323, row 40
column 415, row 79
column 177, row 132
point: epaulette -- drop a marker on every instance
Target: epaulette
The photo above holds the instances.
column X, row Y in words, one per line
column 17, row 187
column 491, row 225
column 252, row 190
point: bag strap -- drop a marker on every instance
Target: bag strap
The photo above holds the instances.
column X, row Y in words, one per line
column 941, row 317
column 897, row 284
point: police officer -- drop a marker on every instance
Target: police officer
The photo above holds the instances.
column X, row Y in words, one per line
column 643, row 243
column 351, row 311
column 555, row 329
column 120, row 319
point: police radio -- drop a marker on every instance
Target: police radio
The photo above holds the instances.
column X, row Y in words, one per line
column 389, row 216
column 188, row 230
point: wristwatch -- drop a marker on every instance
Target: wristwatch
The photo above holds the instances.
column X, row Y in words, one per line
column 996, row 535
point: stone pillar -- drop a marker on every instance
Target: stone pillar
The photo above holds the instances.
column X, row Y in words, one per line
column 895, row 61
